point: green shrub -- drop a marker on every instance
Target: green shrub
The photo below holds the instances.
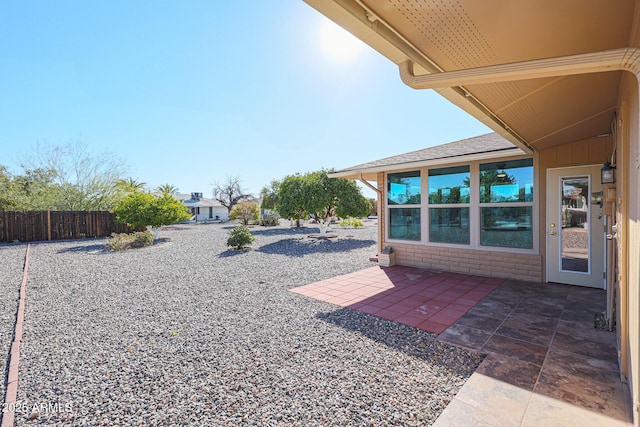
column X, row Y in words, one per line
column 240, row 237
column 124, row 241
column 118, row 242
column 270, row 220
column 351, row 222
column 142, row 239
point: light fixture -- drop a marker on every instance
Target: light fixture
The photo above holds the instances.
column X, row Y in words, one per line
column 608, row 174
column 502, row 174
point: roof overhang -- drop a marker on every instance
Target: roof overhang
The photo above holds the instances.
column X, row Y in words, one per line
column 462, row 39
column 371, row 173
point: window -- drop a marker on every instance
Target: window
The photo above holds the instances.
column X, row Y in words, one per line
column 403, row 188
column 403, row 199
column 404, row 223
column 449, row 197
column 506, row 204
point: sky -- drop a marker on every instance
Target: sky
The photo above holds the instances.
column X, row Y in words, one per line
column 189, row 93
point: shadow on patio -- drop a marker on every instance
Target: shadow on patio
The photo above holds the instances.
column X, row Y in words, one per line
column 545, row 362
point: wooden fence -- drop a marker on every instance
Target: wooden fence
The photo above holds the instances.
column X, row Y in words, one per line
column 34, row 226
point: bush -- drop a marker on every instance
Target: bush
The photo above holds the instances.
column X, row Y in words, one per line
column 270, row 220
column 240, row 237
column 142, row 239
column 124, row 241
column 246, row 212
column 351, row 222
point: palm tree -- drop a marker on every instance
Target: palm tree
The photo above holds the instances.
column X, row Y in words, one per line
column 129, row 185
column 167, row 189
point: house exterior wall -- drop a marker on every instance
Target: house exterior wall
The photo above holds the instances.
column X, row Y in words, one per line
column 628, row 217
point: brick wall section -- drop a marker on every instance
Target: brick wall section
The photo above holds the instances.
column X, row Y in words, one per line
column 471, row 261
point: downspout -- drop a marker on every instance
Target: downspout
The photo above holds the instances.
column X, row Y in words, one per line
column 365, row 182
column 625, row 59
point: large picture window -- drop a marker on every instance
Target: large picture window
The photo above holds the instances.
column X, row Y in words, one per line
column 449, row 191
column 403, row 198
column 506, row 204
column 479, row 205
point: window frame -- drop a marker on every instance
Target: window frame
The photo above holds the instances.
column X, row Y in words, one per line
column 474, row 205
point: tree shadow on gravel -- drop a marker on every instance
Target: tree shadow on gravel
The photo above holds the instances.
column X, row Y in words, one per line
column 277, row 231
column 411, row 341
column 84, row 248
column 300, row 247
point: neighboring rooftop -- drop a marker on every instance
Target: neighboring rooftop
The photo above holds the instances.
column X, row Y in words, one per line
column 483, row 146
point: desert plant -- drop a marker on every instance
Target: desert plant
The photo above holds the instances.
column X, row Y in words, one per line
column 240, row 237
column 142, row 239
column 246, row 212
column 351, row 222
column 124, row 241
column 270, row 220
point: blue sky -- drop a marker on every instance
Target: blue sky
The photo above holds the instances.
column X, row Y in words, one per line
column 190, row 92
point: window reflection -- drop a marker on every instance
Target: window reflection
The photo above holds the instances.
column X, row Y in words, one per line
column 404, row 188
column 404, row 223
column 507, row 227
column 506, row 182
column 449, row 185
column 449, row 225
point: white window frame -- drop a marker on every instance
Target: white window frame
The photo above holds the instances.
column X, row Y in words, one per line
column 474, row 206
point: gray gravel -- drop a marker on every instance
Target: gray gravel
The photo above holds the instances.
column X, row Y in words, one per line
column 11, row 263
column 189, row 333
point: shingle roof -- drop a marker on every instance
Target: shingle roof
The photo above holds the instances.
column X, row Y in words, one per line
column 483, row 144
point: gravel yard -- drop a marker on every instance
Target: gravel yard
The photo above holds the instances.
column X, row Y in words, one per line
column 189, row 333
column 11, row 263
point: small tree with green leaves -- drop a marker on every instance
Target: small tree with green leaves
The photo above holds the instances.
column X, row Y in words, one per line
column 240, row 237
column 291, row 203
column 145, row 209
column 321, row 198
column 246, row 212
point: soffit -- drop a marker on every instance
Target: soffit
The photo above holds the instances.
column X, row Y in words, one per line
column 461, row 34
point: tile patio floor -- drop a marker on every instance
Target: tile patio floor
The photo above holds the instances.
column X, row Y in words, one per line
column 424, row 299
column 546, row 365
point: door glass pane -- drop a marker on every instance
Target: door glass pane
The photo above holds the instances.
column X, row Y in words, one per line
column 575, row 224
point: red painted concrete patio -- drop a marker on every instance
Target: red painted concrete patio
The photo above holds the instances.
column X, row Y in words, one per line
column 425, row 299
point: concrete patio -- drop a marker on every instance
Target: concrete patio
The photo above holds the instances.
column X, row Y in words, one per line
column 546, row 364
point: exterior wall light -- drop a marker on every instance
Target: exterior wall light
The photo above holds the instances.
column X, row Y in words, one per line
column 608, row 174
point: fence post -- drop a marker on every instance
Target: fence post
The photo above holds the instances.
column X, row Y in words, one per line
column 49, row 225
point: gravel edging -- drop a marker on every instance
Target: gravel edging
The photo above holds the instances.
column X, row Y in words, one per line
column 11, row 271
column 190, row 333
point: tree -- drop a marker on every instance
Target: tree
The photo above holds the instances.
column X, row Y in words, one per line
column 246, row 212
column 321, row 198
column 290, row 198
column 144, row 209
column 269, row 195
column 129, row 185
column 167, row 189
column 229, row 192
column 79, row 178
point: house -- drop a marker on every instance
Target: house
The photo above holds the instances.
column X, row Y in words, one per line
column 560, row 82
column 203, row 209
